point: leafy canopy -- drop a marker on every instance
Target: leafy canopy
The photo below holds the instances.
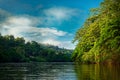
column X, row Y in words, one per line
column 99, row 38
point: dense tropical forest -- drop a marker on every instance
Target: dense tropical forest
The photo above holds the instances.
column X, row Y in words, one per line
column 98, row 40
column 18, row 50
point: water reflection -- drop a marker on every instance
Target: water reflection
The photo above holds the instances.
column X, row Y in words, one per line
column 97, row 72
column 58, row 71
column 37, row 71
column 12, row 71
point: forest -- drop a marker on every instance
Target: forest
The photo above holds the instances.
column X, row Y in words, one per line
column 18, row 50
column 98, row 40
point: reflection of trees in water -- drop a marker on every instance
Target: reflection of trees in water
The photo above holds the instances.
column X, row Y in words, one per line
column 28, row 71
column 12, row 71
column 47, row 71
column 36, row 71
column 41, row 70
column 97, row 72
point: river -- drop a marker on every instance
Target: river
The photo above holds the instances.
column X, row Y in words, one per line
column 58, row 71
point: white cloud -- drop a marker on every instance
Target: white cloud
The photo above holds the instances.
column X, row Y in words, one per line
column 16, row 25
column 51, row 31
column 62, row 44
column 27, row 26
column 52, row 41
column 67, row 44
column 19, row 21
column 23, row 27
column 60, row 13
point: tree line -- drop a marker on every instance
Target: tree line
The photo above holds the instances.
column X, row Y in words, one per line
column 18, row 50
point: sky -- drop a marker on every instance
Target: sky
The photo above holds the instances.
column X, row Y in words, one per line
column 52, row 22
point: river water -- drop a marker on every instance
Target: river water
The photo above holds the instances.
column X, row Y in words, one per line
column 58, row 71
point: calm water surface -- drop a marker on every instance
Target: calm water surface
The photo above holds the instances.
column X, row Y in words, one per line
column 58, row 71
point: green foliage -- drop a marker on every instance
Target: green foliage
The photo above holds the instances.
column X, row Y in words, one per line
column 17, row 50
column 99, row 38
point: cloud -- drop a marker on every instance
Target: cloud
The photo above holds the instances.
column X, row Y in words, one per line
column 24, row 27
column 35, row 28
column 62, row 44
column 15, row 25
column 60, row 14
column 18, row 25
column 52, row 41
column 67, row 44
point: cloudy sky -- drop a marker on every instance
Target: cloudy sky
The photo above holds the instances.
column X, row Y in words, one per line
column 45, row 21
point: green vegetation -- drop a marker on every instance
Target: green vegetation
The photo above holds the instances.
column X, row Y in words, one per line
column 17, row 50
column 97, row 72
column 99, row 38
